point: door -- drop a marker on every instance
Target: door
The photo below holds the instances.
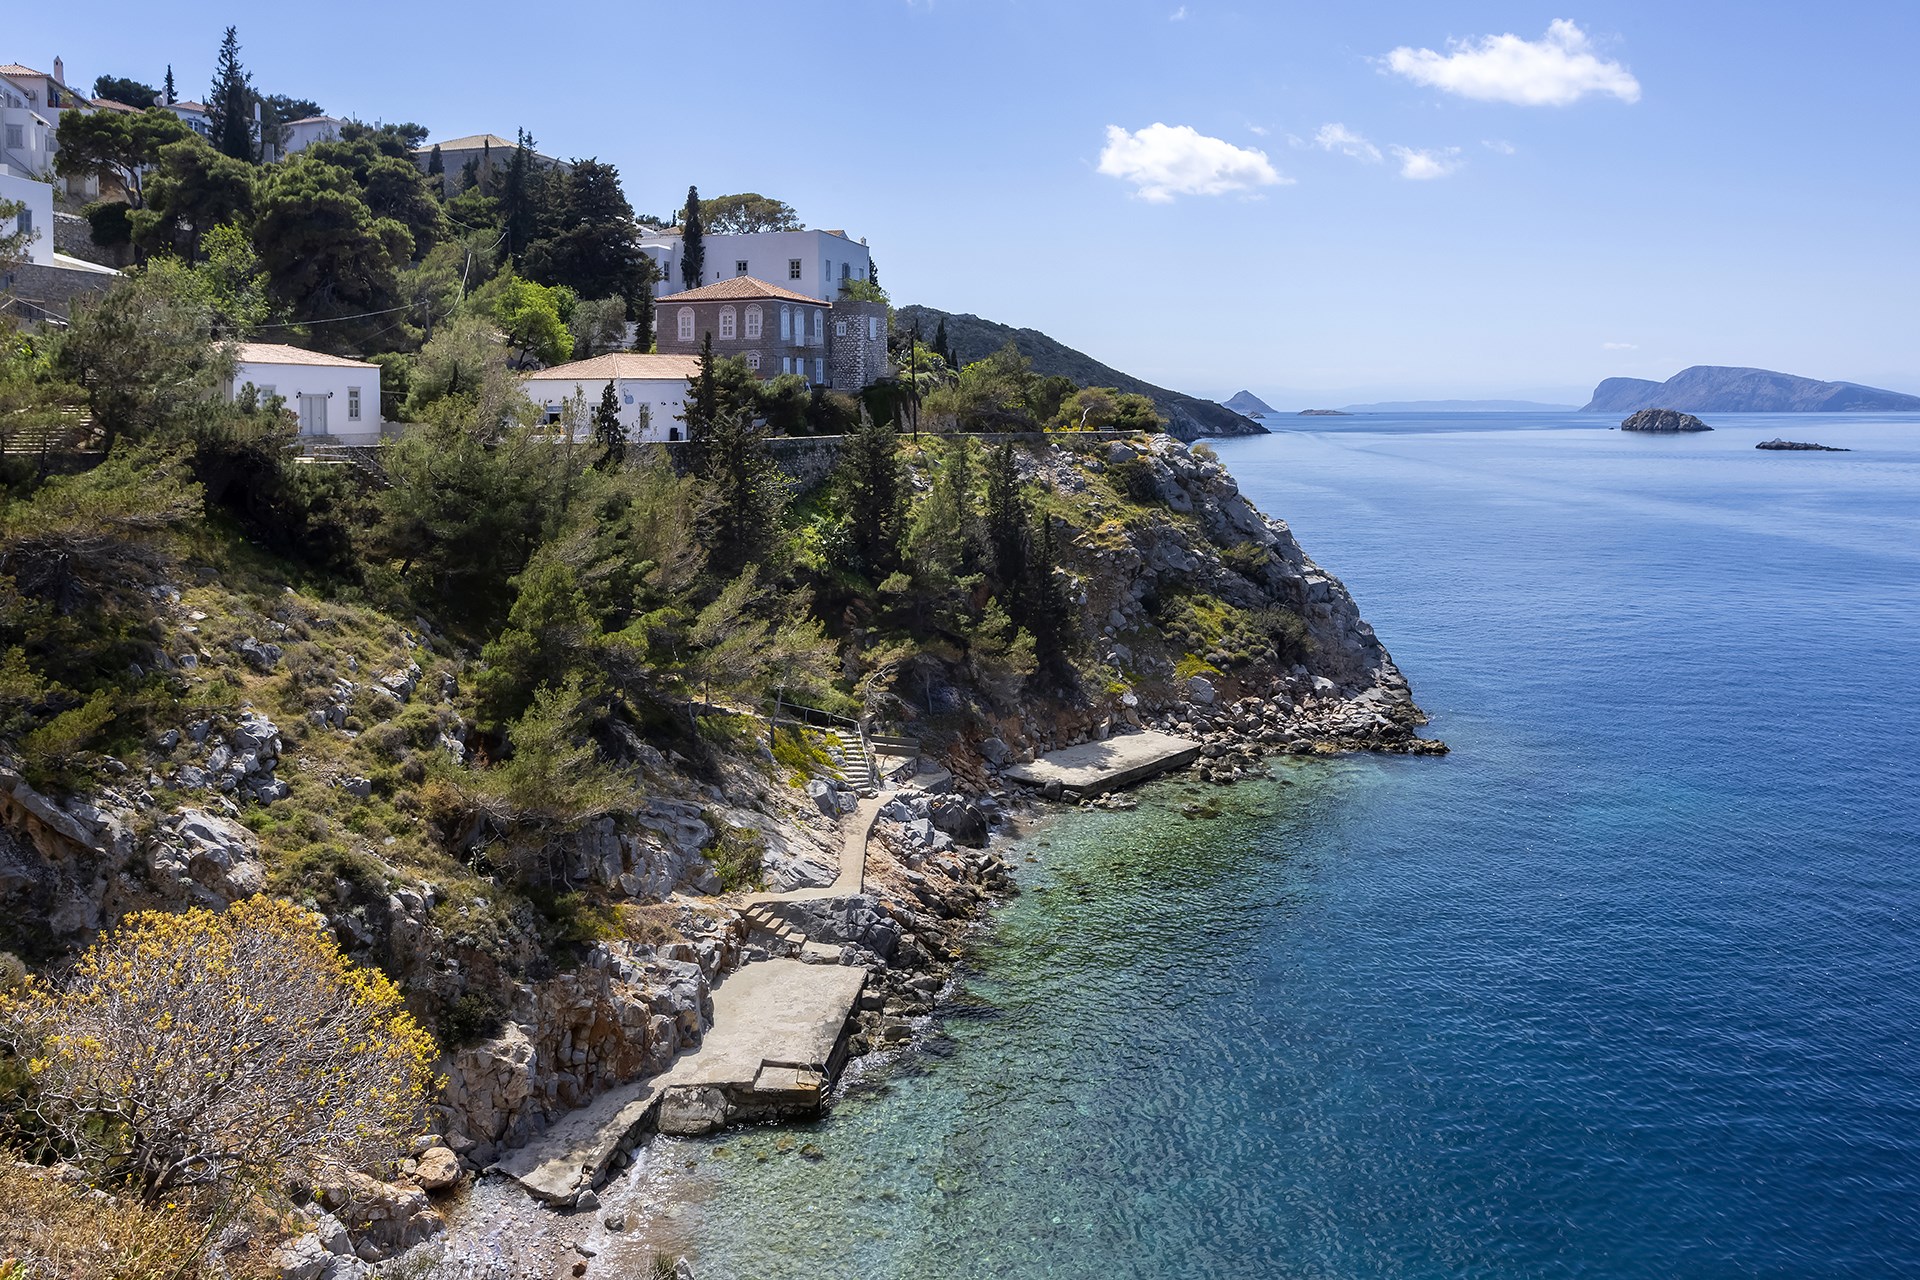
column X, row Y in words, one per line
column 313, row 415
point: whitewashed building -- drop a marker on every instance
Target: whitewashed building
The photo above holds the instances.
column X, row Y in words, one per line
column 298, row 135
column 815, row 263
column 194, row 115
column 651, row 389
column 35, row 216
column 335, row 397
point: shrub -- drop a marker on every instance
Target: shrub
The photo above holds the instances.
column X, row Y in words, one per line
column 1134, row 479
column 736, row 854
column 209, row 1049
column 51, row 752
column 52, row 1228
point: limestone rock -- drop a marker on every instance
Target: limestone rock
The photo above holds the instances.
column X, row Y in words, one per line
column 438, row 1169
column 1664, row 421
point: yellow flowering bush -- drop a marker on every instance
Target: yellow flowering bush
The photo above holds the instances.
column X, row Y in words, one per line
column 205, row 1047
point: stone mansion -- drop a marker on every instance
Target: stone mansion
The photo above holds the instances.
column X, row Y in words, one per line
column 840, row 344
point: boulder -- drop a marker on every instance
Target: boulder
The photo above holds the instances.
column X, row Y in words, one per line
column 960, row 819
column 438, row 1169
column 260, row 655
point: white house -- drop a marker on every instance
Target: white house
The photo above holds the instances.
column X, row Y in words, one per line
column 816, row 263
column 31, row 104
column 652, row 391
column 301, row 134
column 335, row 397
column 35, row 217
column 192, row 114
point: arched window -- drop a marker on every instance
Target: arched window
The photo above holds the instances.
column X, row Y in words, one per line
column 786, row 324
column 753, row 358
column 686, row 324
column 728, row 324
column 753, row 323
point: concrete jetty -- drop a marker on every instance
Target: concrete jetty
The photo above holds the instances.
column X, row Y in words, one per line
column 1095, row 768
column 778, row 1038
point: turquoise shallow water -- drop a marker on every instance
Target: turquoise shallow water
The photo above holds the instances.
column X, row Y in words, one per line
column 1626, row 986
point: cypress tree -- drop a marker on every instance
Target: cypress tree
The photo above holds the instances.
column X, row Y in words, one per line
column 167, row 92
column 607, row 431
column 436, row 166
column 693, row 249
column 702, row 409
column 643, row 306
column 749, row 491
column 230, row 102
column 1006, row 520
column 520, row 195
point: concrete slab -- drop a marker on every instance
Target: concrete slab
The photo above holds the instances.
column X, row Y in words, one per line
column 778, row 1021
column 1095, row 768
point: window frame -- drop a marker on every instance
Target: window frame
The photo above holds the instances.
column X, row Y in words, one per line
column 794, row 268
column 729, row 325
column 755, row 323
column 684, row 325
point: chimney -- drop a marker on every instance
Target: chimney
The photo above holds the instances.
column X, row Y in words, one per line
column 59, row 70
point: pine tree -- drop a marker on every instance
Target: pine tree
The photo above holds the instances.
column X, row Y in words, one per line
column 230, row 102
column 693, row 249
column 607, row 431
column 167, row 91
column 1006, row 520
column 702, row 408
column 747, row 488
column 868, row 483
column 436, row 166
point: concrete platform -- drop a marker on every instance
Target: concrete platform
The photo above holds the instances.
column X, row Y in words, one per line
column 1095, row 768
column 778, row 1038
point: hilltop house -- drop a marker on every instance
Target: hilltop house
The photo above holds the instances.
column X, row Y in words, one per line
column 842, row 345
column 814, row 263
column 298, row 135
column 487, row 152
column 335, row 397
column 194, row 115
column 31, row 104
column 652, row 390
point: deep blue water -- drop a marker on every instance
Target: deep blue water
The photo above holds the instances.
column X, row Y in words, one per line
column 1626, row 986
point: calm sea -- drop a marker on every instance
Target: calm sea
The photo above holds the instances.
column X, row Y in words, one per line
column 1627, row 986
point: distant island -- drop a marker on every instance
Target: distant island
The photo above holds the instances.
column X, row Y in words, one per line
column 1324, row 413
column 1460, row 406
column 1249, row 405
column 1711, row 388
column 1664, row 421
column 1797, row 446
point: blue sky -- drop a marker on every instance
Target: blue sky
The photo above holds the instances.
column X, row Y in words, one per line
column 1344, row 201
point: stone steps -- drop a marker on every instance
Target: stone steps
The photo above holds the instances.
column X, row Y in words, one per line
column 854, row 765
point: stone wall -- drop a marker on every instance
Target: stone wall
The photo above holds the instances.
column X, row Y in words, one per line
column 50, row 291
column 73, row 236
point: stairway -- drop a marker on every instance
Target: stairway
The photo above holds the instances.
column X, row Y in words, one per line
column 854, row 765
column 770, row 931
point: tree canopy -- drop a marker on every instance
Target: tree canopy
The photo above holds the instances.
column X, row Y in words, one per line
column 117, row 146
column 230, row 102
column 120, row 89
column 747, row 213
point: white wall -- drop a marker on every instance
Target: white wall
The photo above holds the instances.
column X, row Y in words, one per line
column 38, row 197
column 305, row 133
column 335, row 383
column 769, row 256
column 664, row 399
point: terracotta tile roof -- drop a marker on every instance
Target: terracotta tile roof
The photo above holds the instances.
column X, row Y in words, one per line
column 15, row 69
column 188, row 106
column 279, row 353
column 739, row 287
column 108, row 104
column 622, row 364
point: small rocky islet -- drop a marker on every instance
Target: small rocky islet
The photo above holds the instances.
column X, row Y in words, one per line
column 1799, row 446
column 1663, row 422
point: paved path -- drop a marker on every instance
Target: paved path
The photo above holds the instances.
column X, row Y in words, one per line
column 769, row 1018
column 1095, row 768
column 853, row 861
column 778, row 1011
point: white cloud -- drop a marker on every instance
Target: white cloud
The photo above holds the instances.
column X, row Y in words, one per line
column 1164, row 161
column 1259, row 129
column 1178, row 15
column 1337, row 137
column 1421, row 165
column 1559, row 68
column 1499, row 146
column 1619, row 346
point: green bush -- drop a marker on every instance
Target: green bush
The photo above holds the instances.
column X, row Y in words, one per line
column 1134, row 480
column 736, row 854
column 52, row 753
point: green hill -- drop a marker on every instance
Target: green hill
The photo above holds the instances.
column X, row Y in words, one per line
column 1188, row 417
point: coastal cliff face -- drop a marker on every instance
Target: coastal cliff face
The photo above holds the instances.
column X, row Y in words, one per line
column 323, row 736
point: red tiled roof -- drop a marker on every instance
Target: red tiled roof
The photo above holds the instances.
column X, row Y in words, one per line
column 279, row 353
column 622, row 364
column 737, row 289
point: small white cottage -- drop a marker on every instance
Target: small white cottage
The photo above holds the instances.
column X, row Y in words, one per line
column 651, row 391
column 334, row 396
